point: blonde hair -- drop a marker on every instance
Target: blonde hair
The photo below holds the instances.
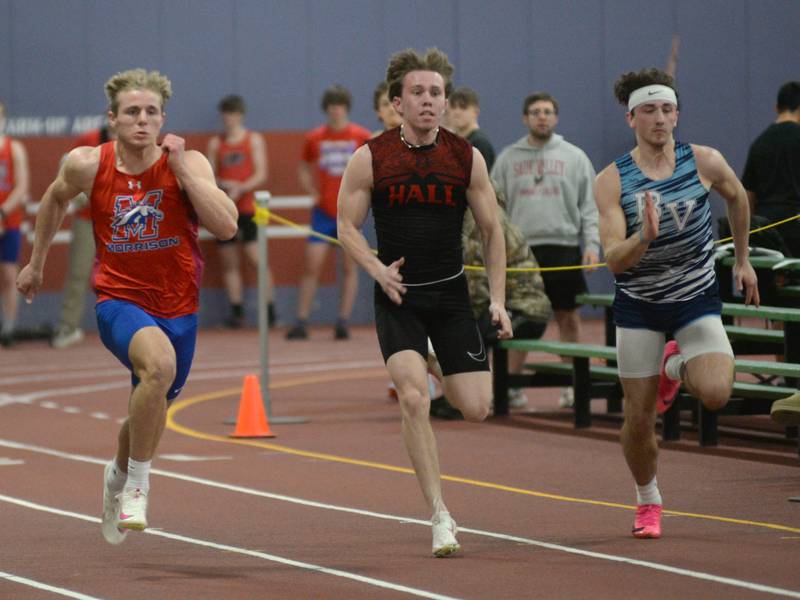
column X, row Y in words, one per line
column 409, row 60
column 137, row 79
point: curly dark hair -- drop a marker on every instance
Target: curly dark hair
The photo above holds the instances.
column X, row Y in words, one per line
column 632, row 81
column 409, row 60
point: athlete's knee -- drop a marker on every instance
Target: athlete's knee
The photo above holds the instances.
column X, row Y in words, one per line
column 413, row 403
column 477, row 411
column 640, row 424
column 159, row 370
column 715, row 393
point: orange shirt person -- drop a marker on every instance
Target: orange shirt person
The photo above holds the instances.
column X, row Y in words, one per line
column 239, row 159
column 326, row 152
column 147, row 201
column 14, row 183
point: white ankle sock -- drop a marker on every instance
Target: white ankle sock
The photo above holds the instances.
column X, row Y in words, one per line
column 138, row 475
column 648, row 493
column 116, row 477
column 674, row 366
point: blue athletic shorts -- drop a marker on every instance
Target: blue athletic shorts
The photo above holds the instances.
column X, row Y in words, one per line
column 668, row 317
column 118, row 321
column 322, row 222
column 9, row 246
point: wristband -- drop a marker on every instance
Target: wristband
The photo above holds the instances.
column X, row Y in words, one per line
column 641, row 236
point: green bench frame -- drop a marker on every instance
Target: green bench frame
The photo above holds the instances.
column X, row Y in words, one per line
column 601, row 381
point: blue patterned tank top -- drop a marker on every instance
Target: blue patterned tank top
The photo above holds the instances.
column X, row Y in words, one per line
column 679, row 264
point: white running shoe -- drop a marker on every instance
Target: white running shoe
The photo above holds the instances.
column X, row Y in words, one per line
column 567, row 399
column 112, row 533
column 517, row 398
column 444, row 535
column 64, row 338
column 132, row 509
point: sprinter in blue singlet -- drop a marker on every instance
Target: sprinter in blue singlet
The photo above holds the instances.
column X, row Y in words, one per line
column 655, row 228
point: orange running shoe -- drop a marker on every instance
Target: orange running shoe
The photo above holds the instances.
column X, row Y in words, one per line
column 667, row 388
column 647, row 523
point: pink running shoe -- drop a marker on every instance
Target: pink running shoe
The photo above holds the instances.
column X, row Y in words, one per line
column 647, row 523
column 667, row 388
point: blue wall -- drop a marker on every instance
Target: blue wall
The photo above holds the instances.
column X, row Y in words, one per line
column 56, row 54
column 280, row 54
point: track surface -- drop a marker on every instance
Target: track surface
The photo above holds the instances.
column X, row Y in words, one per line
column 330, row 508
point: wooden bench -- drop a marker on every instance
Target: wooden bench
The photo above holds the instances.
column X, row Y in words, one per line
column 745, row 340
column 601, row 381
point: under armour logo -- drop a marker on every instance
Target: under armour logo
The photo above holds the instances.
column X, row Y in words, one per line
column 134, row 185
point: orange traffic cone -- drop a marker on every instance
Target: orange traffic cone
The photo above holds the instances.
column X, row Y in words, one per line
column 252, row 420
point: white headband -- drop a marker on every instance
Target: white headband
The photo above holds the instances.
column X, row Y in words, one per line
column 651, row 93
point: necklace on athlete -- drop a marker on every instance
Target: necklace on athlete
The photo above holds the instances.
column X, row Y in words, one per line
column 417, row 146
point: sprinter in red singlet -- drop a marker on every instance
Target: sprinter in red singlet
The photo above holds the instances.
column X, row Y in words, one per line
column 146, row 202
column 239, row 159
column 419, row 180
column 14, row 183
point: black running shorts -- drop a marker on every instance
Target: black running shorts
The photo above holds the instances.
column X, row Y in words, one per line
column 247, row 232
column 439, row 311
column 561, row 287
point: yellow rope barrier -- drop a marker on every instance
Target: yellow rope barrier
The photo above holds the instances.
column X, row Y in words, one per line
column 264, row 215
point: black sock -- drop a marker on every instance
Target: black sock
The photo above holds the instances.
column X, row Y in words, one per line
column 237, row 310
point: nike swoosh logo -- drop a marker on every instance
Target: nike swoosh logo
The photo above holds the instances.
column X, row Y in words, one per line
column 651, row 93
column 123, row 516
column 481, row 355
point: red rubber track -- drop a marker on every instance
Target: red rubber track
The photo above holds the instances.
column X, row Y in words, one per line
column 545, row 511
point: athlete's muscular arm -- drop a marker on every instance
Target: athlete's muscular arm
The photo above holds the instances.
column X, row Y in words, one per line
column 75, row 176
column 621, row 253
column 715, row 170
column 19, row 158
column 353, row 205
column 483, row 205
column 215, row 210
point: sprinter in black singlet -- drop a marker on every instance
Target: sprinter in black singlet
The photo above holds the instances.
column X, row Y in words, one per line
column 419, row 179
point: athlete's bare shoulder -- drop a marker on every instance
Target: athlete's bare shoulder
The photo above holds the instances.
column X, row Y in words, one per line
column 710, row 163
column 609, row 175
column 80, row 166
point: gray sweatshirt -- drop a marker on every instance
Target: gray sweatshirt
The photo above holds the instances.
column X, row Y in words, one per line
column 549, row 192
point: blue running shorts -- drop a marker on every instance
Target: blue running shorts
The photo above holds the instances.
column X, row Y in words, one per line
column 9, row 246
column 323, row 223
column 118, row 321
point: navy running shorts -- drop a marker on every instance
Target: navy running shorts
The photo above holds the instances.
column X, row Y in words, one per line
column 667, row 317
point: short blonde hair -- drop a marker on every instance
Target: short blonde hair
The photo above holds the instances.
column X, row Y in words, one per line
column 137, row 79
column 409, row 60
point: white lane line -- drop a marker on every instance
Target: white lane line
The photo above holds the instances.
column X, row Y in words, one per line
column 192, row 457
column 10, row 462
column 99, row 415
column 50, row 405
column 72, row 410
column 237, row 367
column 740, row 583
column 237, row 550
column 123, row 382
column 43, row 586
